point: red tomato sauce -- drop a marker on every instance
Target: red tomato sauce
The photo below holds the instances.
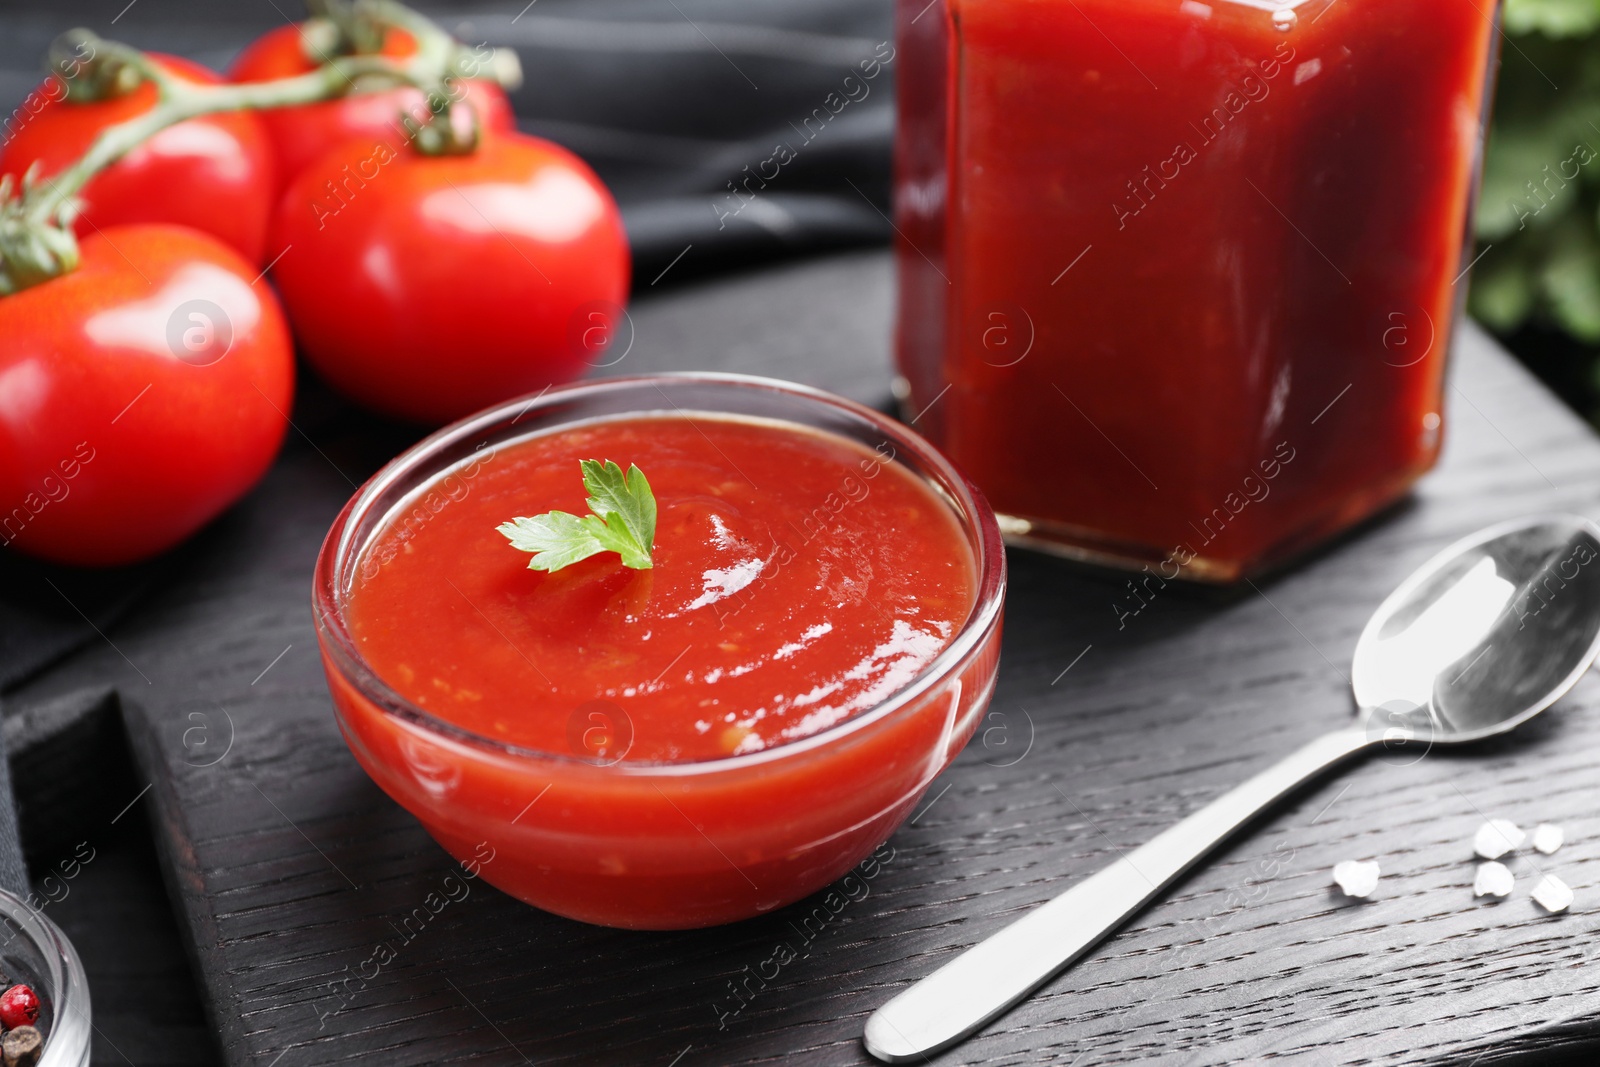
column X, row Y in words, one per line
column 798, row 580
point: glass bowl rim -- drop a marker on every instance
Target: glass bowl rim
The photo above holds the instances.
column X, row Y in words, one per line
column 972, row 513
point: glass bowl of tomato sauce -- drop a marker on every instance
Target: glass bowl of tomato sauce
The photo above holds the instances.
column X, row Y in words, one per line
column 701, row 741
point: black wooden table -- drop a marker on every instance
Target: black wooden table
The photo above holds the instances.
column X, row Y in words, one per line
column 289, row 868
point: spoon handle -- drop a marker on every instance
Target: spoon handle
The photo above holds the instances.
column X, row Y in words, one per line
column 953, row 1002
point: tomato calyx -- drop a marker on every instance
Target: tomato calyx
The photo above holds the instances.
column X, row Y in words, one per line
column 33, row 249
column 88, row 72
column 340, row 28
column 453, row 130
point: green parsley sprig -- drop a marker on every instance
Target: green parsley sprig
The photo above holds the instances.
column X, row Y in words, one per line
column 623, row 521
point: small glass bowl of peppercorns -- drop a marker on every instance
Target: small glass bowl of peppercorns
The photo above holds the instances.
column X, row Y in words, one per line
column 44, row 1006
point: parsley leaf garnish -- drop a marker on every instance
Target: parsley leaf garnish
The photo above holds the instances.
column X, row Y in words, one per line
column 623, row 521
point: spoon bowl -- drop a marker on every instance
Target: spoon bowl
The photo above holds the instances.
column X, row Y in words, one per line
column 1484, row 636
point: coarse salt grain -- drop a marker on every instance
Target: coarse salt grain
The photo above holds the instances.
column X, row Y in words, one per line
column 1356, row 878
column 1552, row 894
column 1497, row 837
column 1548, row 838
column 1494, row 879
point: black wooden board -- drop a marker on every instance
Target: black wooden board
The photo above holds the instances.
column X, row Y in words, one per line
column 289, row 868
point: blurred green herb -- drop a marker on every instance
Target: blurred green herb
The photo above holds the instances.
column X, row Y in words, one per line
column 1540, row 204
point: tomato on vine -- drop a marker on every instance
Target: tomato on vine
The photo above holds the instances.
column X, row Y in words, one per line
column 427, row 287
column 301, row 134
column 214, row 173
column 140, row 394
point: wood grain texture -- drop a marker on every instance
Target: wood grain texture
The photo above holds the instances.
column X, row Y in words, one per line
column 290, row 867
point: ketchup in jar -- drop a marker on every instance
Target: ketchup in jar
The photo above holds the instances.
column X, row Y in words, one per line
column 1177, row 277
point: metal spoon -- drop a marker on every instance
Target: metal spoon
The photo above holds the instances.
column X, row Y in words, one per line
column 1482, row 637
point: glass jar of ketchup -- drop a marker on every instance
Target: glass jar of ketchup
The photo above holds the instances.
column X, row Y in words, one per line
column 1177, row 277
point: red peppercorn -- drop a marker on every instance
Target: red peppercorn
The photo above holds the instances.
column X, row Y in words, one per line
column 19, row 1006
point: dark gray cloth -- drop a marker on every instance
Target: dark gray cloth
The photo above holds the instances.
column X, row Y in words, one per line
column 745, row 128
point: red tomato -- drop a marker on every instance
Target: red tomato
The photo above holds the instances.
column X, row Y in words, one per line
column 214, row 173
column 139, row 395
column 301, row 134
column 429, row 287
